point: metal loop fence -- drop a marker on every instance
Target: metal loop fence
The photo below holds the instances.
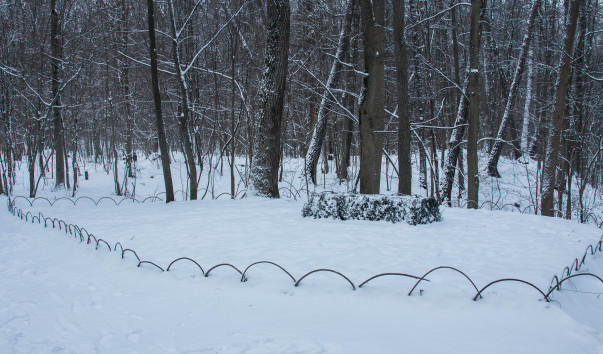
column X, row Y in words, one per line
column 82, row 234
column 291, row 193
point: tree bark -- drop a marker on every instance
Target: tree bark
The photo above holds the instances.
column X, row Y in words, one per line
column 56, row 49
column 372, row 104
column 527, row 116
column 165, row 157
column 267, row 141
column 318, row 133
column 454, row 147
column 554, row 139
column 404, row 139
column 349, row 100
column 184, row 118
column 473, row 92
column 506, row 119
column 126, row 90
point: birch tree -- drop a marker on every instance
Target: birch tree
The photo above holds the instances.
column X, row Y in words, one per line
column 318, row 133
column 506, row 120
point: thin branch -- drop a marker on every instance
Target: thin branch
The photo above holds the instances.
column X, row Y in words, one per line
column 190, row 65
column 437, row 14
column 179, row 32
column 145, row 64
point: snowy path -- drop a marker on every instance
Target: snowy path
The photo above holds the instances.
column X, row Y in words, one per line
column 57, row 295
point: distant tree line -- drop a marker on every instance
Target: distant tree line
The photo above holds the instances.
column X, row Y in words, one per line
column 363, row 83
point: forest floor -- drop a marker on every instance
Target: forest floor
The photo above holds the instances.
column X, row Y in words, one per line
column 62, row 296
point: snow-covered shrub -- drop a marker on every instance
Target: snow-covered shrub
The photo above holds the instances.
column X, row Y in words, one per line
column 412, row 209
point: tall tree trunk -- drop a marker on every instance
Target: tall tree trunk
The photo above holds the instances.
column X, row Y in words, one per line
column 577, row 145
column 318, row 133
column 126, row 90
column 56, row 49
column 506, row 119
column 454, row 147
column 527, row 116
column 114, row 154
column 32, row 155
column 165, row 157
column 372, row 104
column 349, row 99
column 74, row 163
column 404, row 139
column 473, row 92
column 233, row 126
column 461, row 176
column 267, row 141
column 554, row 140
column 183, row 118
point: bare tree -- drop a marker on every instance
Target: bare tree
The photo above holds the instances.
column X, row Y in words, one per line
column 473, row 93
column 184, row 114
column 318, row 133
column 267, row 141
column 165, row 157
column 56, row 48
column 404, row 152
column 506, row 119
column 372, row 103
column 555, row 134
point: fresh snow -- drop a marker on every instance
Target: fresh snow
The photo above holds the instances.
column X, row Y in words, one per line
column 60, row 295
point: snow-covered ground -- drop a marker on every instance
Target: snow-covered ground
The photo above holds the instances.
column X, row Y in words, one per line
column 60, row 295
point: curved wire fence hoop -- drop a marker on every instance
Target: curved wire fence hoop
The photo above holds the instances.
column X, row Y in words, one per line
column 388, row 274
column 438, row 268
column 223, row 265
column 325, row 270
column 185, row 258
column 244, row 279
column 511, row 280
column 83, row 234
column 152, row 263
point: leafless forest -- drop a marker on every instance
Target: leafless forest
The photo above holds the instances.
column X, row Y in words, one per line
column 373, row 83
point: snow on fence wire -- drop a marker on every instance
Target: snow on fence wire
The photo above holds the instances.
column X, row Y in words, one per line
column 84, row 235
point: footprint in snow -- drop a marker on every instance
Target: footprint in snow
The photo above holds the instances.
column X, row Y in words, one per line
column 134, row 338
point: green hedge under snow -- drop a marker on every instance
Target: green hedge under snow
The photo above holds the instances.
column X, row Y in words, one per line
column 413, row 210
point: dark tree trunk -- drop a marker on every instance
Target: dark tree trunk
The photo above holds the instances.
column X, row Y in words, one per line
column 349, row 100
column 74, row 164
column 554, row 140
column 165, row 157
column 56, row 49
column 233, row 126
column 126, row 90
column 267, row 141
column 372, row 104
column 473, row 93
column 184, row 117
column 404, row 158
